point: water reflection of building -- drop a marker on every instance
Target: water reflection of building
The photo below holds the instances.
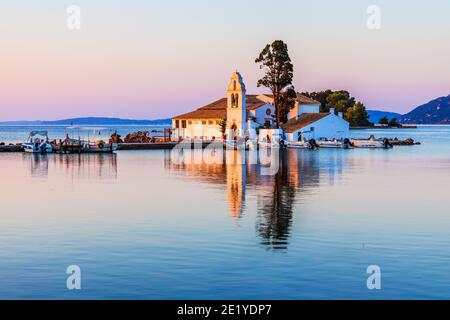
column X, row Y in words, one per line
column 236, row 181
column 214, row 167
column 299, row 172
column 74, row 166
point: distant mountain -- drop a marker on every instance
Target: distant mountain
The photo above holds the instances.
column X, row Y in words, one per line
column 376, row 115
column 91, row 121
column 434, row 112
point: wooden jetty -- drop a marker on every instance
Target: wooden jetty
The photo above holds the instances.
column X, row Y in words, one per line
column 11, row 148
column 158, row 145
column 68, row 148
column 146, row 146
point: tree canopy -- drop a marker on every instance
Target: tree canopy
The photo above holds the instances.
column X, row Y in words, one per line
column 279, row 71
column 357, row 116
column 393, row 123
column 342, row 101
column 384, row 120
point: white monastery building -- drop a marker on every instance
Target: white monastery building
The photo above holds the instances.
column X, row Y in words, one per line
column 242, row 114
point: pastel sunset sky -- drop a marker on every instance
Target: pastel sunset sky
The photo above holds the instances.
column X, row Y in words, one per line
column 148, row 59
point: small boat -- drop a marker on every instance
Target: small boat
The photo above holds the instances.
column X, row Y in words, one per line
column 297, row 144
column 371, row 143
column 37, row 143
column 235, row 145
column 311, row 144
column 251, row 145
column 345, row 144
column 268, row 145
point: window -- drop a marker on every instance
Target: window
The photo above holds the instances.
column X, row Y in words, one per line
column 232, row 100
column 177, row 124
column 234, row 85
column 237, row 100
column 210, row 122
column 203, row 122
column 183, row 124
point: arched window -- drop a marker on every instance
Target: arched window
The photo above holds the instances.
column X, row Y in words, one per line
column 232, row 101
column 237, row 100
column 234, row 85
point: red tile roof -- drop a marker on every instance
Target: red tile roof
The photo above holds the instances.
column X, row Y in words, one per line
column 302, row 99
column 256, row 105
column 215, row 110
column 218, row 109
column 302, row 121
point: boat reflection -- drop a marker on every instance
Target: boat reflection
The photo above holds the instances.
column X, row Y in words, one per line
column 37, row 164
column 298, row 172
column 73, row 166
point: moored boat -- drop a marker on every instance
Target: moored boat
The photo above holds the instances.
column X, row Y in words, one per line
column 37, row 143
column 297, row 144
column 268, row 145
column 371, row 143
column 251, row 145
column 345, row 144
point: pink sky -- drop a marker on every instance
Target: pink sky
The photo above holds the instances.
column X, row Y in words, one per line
column 146, row 60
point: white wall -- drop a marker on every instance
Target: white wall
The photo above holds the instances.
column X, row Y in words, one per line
column 197, row 131
column 308, row 108
column 303, row 108
column 330, row 127
column 261, row 114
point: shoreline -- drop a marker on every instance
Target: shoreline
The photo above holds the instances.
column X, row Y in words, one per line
column 384, row 128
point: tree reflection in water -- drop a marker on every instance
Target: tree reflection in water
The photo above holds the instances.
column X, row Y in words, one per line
column 274, row 218
column 300, row 171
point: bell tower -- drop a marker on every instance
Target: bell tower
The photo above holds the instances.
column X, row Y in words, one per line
column 236, row 107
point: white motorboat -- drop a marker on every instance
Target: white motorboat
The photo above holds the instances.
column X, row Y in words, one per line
column 268, row 145
column 235, row 145
column 297, row 144
column 334, row 144
column 230, row 144
column 371, row 143
column 37, row 143
column 251, row 145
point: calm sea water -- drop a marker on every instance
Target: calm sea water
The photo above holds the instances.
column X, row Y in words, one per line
column 142, row 225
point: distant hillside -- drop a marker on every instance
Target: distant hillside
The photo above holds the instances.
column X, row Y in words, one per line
column 376, row 115
column 91, row 121
column 434, row 112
